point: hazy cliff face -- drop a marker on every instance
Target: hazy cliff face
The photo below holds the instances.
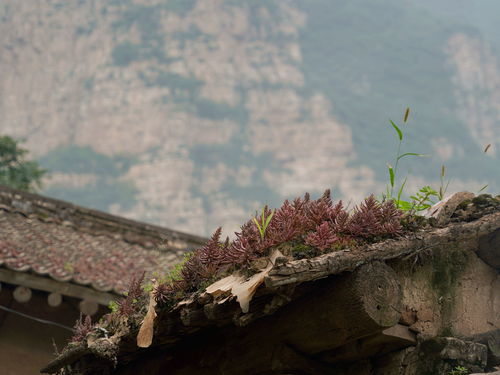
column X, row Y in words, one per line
column 199, row 112
column 477, row 81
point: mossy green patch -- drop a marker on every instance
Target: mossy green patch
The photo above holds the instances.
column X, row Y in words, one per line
column 447, row 268
column 302, row 250
column 485, row 200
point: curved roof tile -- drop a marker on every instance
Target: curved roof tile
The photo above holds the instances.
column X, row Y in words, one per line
column 103, row 258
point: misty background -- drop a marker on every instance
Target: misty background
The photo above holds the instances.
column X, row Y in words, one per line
column 192, row 114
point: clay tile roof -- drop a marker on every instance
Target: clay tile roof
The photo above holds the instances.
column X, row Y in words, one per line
column 72, row 244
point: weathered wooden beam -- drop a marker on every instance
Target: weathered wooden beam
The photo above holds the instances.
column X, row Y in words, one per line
column 49, row 285
column 389, row 340
column 364, row 302
column 332, row 313
column 54, row 299
column 462, row 235
column 22, row 294
column 70, row 355
column 192, row 317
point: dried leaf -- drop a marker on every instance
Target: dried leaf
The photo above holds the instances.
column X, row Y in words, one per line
column 240, row 287
column 245, row 291
column 145, row 335
column 224, row 286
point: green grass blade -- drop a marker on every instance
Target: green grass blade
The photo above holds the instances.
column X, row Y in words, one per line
column 268, row 220
column 258, row 225
column 484, row 187
column 410, row 154
column 446, row 188
column 400, row 191
column 400, row 133
column 391, row 174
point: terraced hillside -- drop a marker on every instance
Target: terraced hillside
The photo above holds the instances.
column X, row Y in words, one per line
column 194, row 113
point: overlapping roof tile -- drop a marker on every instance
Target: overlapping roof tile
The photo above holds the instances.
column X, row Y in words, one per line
column 85, row 247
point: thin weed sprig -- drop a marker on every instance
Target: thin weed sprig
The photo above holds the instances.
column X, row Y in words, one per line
column 426, row 196
column 264, row 222
column 442, row 187
column 404, row 205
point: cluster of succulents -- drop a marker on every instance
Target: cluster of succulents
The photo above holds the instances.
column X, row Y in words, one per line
column 320, row 224
column 81, row 329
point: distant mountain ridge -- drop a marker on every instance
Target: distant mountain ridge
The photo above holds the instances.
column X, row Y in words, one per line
column 194, row 113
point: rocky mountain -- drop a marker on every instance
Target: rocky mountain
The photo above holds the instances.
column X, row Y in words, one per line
column 194, row 113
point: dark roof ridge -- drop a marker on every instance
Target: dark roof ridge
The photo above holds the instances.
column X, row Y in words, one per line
column 94, row 221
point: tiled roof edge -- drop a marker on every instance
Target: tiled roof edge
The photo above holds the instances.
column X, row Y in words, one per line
column 97, row 222
column 70, row 287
